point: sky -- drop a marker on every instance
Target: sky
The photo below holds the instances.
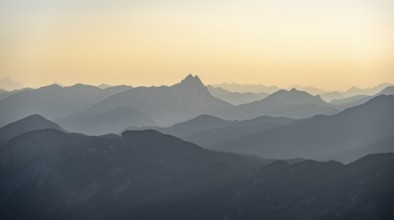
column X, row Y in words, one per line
column 330, row 44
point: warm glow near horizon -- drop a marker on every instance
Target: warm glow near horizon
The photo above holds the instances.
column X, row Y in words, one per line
column 328, row 44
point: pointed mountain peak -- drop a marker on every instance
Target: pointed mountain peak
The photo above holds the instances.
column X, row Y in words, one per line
column 192, row 79
column 189, row 76
column 193, row 83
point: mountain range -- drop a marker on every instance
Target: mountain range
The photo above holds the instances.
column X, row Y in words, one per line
column 93, row 110
column 190, row 151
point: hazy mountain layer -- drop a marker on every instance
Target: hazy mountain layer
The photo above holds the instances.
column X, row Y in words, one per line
column 365, row 91
column 52, row 101
column 353, row 133
column 242, row 88
column 91, row 110
column 361, row 99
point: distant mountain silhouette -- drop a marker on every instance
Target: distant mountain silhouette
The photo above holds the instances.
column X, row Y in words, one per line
column 367, row 91
column 236, row 98
column 30, row 123
column 8, row 84
column 355, row 132
column 52, row 101
column 163, row 105
column 305, row 190
column 49, row 174
column 330, row 96
column 283, row 103
column 243, row 88
column 351, row 101
column 361, row 99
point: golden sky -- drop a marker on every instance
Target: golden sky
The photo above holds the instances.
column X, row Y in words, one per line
column 331, row 44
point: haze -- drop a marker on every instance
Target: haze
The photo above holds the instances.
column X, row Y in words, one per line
column 328, row 44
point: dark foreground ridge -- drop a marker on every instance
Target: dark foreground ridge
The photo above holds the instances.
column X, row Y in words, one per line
column 50, row 174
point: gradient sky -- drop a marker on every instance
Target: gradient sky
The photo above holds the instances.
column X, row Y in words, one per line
column 331, row 44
